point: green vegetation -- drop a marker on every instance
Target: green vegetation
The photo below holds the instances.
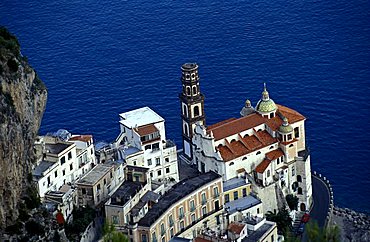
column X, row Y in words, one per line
column 82, row 217
column 282, row 219
column 34, row 228
column 317, row 234
column 292, row 201
column 110, row 234
column 32, row 199
column 9, row 41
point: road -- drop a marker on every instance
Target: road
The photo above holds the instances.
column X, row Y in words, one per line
column 321, row 200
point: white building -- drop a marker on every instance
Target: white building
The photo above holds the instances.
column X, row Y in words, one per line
column 61, row 162
column 142, row 142
column 267, row 143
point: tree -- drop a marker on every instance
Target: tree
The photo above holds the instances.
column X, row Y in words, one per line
column 282, row 219
column 329, row 233
column 292, row 201
column 110, row 234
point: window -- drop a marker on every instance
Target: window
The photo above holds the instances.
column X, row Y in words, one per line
column 171, row 232
column 236, row 195
column 299, row 178
column 64, row 172
column 192, row 206
column 186, row 129
column 69, row 155
column 71, row 166
column 154, row 237
column 204, row 199
column 293, row 171
column 111, row 175
column 144, row 238
column 278, row 160
column 105, row 181
column 299, row 190
column 181, row 212
column 188, row 91
column 83, row 190
column 244, row 192
column 271, row 147
column 193, row 218
column 272, row 238
column 218, row 220
column 271, row 115
column 134, row 162
column 296, row 132
column 231, row 163
column 163, row 231
column 157, row 161
column 289, row 136
column 170, row 220
column 164, row 239
column 155, row 146
column 182, row 225
column 258, row 210
column 114, row 219
column 194, row 90
column 227, row 198
column 196, row 111
column 259, row 152
column 151, row 174
column 185, row 110
column 167, row 159
column 244, row 158
column 204, row 211
column 268, row 173
column 215, row 192
column 167, row 170
column 56, row 173
column 149, row 162
column 291, row 145
column 98, row 187
column 62, row 160
column 159, row 172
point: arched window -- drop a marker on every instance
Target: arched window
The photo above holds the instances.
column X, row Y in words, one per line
column 271, row 115
column 185, row 110
column 299, row 178
column 244, row 158
column 296, row 132
column 232, row 163
column 194, row 90
column 233, row 140
column 196, row 111
column 246, row 135
column 188, row 91
column 186, row 129
column 299, row 190
column 259, row 152
column 291, row 145
column 268, row 173
column 271, row 147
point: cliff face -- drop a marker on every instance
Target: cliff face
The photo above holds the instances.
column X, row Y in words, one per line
column 22, row 103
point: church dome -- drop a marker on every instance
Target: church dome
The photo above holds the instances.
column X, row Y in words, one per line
column 266, row 105
column 285, row 127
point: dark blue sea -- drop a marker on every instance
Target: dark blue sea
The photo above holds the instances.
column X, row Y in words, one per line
column 101, row 58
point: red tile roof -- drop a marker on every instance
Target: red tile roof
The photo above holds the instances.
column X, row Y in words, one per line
column 263, row 165
column 236, row 228
column 146, row 129
column 235, row 126
column 273, row 155
column 83, row 138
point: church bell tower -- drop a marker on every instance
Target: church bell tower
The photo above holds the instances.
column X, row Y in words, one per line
column 192, row 106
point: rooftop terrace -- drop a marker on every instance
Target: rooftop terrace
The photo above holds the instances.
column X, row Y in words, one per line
column 57, row 148
column 97, row 173
column 176, row 193
column 234, row 183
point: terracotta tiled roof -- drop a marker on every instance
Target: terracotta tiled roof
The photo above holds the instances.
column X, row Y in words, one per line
column 83, row 138
column 292, row 116
column 220, row 123
column 198, row 239
column 236, row 228
column 263, row 165
column 273, row 155
column 235, row 126
column 146, row 129
column 289, row 142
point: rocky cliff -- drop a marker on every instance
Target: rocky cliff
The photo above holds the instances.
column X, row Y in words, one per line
column 22, row 103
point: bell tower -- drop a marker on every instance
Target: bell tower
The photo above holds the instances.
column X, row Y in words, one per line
column 192, row 106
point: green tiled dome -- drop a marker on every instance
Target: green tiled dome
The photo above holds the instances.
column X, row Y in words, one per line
column 266, row 106
column 285, row 127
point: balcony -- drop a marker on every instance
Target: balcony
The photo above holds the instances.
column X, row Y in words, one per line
column 204, row 202
column 192, row 209
column 181, row 216
column 216, row 195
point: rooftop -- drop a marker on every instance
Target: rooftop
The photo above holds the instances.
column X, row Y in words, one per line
column 147, row 129
column 176, row 193
column 57, row 148
column 234, row 183
column 139, row 117
column 242, row 204
column 83, row 138
column 125, row 192
column 42, row 167
column 263, row 166
column 97, row 173
column 236, row 228
column 257, row 234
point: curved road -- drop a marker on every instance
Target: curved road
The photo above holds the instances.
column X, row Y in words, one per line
column 321, row 199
